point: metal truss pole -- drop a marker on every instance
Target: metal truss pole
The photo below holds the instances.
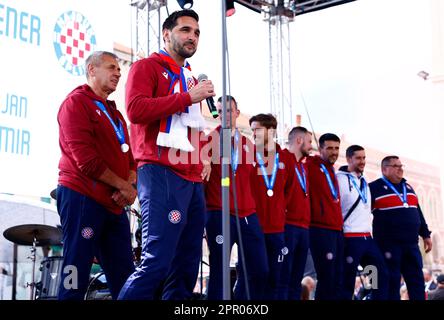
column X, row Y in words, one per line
column 279, row 19
column 147, row 29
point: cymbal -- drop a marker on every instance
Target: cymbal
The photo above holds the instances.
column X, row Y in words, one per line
column 24, row 234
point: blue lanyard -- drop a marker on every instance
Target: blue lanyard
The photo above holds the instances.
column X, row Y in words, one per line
column 362, row 192
column 268, row 183
column 404, row 190
column 333, row 190
column 235, row 152
column 118, row 130
column 302, row 178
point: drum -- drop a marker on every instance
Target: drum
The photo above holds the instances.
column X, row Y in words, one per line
column 48, row 288
column 98, row 288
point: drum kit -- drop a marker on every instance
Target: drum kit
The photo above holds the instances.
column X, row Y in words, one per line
column 39, row 235
column 33, row 235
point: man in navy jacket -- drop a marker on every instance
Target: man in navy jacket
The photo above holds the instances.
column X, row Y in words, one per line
column 398, row 220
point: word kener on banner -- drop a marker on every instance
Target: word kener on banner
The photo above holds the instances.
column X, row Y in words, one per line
column 18, row 25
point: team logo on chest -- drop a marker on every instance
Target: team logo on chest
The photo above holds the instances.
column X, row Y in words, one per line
column 74, row 40
column 174, row 216
column 190, row 83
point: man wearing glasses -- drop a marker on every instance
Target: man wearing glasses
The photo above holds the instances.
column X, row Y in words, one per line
column 398, row 220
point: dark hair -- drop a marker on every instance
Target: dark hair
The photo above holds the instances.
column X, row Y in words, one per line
column 328, row 137
column 352, row 149
column 387, row 160
column 171, row 21
column 296, row 131
column 96, row 59
column 266, row 120
column 228, row 99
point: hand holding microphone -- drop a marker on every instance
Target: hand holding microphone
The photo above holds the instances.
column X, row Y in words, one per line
column 204, row 90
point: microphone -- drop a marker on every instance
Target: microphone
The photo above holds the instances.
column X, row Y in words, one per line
column 210, row 100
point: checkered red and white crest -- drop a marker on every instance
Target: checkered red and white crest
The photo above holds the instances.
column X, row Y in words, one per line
column 74, row 40
column 190, row 83
column 174, row 216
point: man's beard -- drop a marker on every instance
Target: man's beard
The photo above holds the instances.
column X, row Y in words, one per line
column 332, row 159
column 182, row 52
column 305, row 153
column 358, row 170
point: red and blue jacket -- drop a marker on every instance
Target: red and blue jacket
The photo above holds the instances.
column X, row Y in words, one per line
column 392, row 221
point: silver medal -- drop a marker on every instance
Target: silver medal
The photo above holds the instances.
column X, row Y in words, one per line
column 124, row 147
column 269, row 192
column 406, row 205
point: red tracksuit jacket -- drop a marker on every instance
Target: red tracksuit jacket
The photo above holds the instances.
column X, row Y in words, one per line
column 298, row 206
column 271, row 210
column 89, row 145
column 147, row 102
column 245, row 200
column 325, row 211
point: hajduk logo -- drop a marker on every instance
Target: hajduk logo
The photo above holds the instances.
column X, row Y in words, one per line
column 174, row 216
column 74, row 40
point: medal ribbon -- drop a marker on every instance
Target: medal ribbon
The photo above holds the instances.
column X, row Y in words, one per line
column 268, row 183
column 120, row 133
column 333, row 190
column 403, row 198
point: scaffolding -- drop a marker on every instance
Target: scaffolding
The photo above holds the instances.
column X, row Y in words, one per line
column 279, row 18
column 277, row 13
column 147, row 29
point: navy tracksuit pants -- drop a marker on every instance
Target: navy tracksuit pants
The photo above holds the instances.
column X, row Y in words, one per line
column 254, row 252
column 364, row 251
column 297, row 242
column 89, row 230
column 403, row 259
column 173, row 219
column 276, row 251
column 327, row 251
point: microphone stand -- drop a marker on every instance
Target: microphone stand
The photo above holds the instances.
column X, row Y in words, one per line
column 226, row 159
